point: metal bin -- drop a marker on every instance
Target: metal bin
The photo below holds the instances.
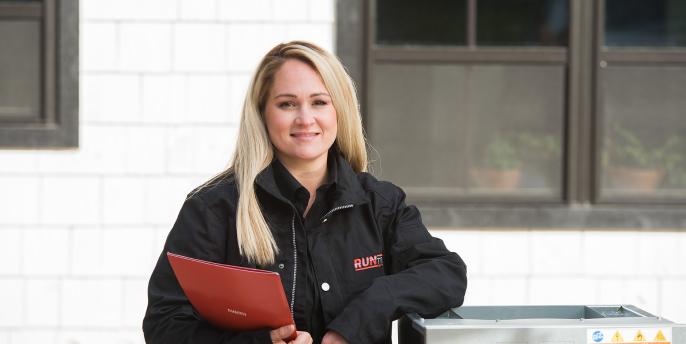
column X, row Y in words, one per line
column 616, row 324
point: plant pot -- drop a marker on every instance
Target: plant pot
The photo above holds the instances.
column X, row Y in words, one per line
column 634, row 178
column 496, row 179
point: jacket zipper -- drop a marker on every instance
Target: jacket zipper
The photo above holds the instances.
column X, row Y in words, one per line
column 295, row 262
column 325, row 217
column 295, row 248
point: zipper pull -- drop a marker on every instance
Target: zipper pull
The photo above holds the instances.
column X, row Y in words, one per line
column 326, row 216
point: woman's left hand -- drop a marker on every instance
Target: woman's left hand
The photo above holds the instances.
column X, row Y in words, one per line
column 332, row 337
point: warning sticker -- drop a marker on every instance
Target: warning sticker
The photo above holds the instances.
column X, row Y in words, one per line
column 643, row 335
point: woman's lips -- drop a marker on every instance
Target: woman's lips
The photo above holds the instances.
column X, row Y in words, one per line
column 304, row 136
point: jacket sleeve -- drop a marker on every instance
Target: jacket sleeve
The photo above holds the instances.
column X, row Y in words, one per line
column 170, row 318
column 422, row 277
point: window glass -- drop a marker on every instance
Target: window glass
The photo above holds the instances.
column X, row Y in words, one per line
column 431, row 22
column 645, row 23
column 644, row 147
column 522, row 22
column 20, row 70
column 468, row 129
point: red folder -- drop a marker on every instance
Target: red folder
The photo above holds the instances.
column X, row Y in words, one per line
column 233, row 297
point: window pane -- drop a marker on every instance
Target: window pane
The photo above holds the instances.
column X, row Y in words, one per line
column 644, row 147
column 648, row 23
column 431, row 22
column 462, row 130
column 20, row 70
column 522, row 22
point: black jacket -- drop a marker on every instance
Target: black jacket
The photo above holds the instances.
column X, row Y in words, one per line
column 371, row 255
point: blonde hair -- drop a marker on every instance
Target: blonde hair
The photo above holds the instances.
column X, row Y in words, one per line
column 254, row 151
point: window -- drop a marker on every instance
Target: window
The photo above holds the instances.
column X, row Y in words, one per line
column 525, row 107
column 434, row 82
column 640, row 108
column 39, row 73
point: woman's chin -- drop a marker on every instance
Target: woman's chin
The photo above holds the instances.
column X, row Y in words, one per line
column 305, row 157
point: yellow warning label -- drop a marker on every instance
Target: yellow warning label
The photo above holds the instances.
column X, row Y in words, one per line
column 639, row 337
column 630, row 335
column 660, row 336
column 617, row 337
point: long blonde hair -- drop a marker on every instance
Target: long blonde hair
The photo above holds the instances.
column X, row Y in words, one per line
column 254, row 151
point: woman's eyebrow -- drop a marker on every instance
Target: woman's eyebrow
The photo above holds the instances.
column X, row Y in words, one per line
column 294, row 96
column 320, row 94
column 285, row 95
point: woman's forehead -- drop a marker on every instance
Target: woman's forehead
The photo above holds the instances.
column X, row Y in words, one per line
column 297, row 76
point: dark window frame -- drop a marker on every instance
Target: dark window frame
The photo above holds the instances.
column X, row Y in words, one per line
column 625, row 56
column 580, row 205
column 58, row 124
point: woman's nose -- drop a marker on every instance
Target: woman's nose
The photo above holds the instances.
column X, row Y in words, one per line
column 305, row 116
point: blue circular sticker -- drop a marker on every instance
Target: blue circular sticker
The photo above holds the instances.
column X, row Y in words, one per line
column 597, row 336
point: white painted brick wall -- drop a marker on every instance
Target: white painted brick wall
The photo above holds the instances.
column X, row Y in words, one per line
column 12, row 293
column 207, row 99
column 99, row 46
column 672, row 304
column 557, row 253
column 99, row 105
column 164, row 98
column 509, row 291
column 70, row 200
column 505, row 253
column 200, row 47
column 18, row 197
column 293, row 10
column 253, row 41
column 43, row 302
column 322, row 11
column 165, row 196
column 129, row 10
column 92, row 303
column 135, row 295
column 162, row 85
column 145, row 47
column 246, row 11
column 46, row 251
column 11, row 251
column 31, row 336
column 128, row 252
column 123, row 200
column 198, row 9
column 85, row 247
column 643, row 268
column 17, row 161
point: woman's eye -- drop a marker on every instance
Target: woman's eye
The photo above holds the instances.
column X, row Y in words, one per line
column 320, row 102
column 286, row 105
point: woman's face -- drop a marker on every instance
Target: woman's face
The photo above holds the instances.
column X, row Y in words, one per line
column 299, row 115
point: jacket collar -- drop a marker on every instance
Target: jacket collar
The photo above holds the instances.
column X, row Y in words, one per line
column 347, row 187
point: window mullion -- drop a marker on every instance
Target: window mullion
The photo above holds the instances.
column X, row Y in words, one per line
column 471, row 23
column 21, row 10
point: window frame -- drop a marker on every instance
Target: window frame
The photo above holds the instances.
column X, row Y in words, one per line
column 57, row 126
column 579, row 205
column 469, row 53
column 624, row 56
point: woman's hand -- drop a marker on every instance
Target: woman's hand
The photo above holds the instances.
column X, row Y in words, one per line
column 280, row 335
column 332, row 337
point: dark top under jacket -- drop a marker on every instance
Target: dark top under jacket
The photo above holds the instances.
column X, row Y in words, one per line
column 364, row 258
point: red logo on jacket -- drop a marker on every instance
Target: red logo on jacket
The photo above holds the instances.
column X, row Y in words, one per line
column 364, row 263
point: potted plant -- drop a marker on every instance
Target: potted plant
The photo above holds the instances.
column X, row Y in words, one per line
column 633, row 165
column 540, row 153
column 499, row 166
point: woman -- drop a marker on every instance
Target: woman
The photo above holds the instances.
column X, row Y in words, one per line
column 351, row 255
